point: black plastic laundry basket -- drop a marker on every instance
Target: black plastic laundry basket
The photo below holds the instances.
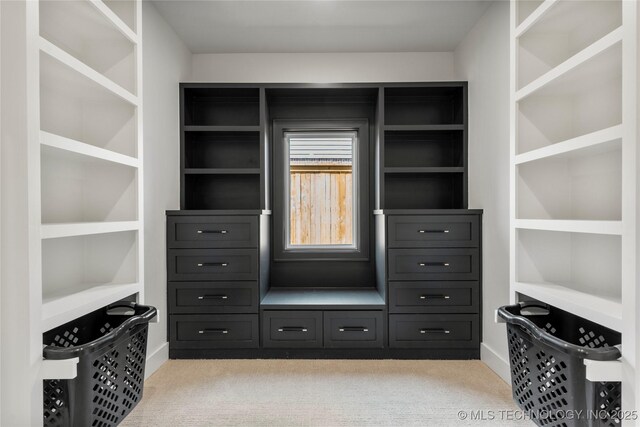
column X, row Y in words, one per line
column 547, row 348
column 111, row 345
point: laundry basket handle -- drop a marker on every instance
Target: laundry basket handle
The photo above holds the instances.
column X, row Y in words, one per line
column 599, row 353
column 61, row 353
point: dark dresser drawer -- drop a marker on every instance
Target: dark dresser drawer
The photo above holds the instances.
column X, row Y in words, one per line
column 213, row 297
column 433, row 331
column 212, row 231
column 292, row 329
column 433, row 231
column 433, row 264
column 213, row 264
column 214, row 331
column 433, row 297
column 353, row 329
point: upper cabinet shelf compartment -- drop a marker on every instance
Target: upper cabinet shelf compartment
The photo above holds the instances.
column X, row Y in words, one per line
column 424, row 149
column 221, row 106
column 81, row 30
column 429, row 105
column 231, row 150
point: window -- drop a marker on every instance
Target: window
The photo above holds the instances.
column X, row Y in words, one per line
column 321, row 190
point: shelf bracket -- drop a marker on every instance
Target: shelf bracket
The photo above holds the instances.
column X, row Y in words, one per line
column 609, row 371
column 66, row 369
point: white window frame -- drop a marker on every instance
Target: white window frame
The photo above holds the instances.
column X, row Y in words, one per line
column 355, row 192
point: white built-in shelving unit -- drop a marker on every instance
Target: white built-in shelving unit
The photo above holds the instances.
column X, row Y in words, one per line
column 84, row 156
column 573, row 162
column 91, row 163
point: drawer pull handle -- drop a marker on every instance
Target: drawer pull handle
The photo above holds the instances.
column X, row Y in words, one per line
column 292, row 329
column 213, row 297
column 434, row 297
column 213, row 264
column 353, row 329
column 212, row 231
column 432, row 231
column 434, row 331
column 433, row 264
column 213, row 331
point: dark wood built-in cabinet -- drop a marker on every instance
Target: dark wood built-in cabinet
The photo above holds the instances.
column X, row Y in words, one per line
column 434, row 279
column 423, row 153
column 413, row 290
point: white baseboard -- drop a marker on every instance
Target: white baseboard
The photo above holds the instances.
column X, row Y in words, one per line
column 156, row 359
column 495, row 362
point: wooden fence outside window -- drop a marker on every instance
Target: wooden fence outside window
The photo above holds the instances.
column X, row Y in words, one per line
column 321, row 211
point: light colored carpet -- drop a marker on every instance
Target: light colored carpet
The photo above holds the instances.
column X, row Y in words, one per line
column 323, row 393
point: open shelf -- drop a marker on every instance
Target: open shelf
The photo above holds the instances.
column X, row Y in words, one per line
column 55, row 231
column 587, row 187
column 528, row 11
column 222, row 191
column 221, row 106
column 77, row 147
column 423, row 149
column 586, row 99
column 81, row 29
column 78, row 188
column 436, row 105
column 76, row 66
column 602, row 310
column 65, row 305
column 221, row 128
column 308, row 298
column 122, row 13
column 86, row 270
column 434, row 169
column 222, row 171
column 582, row 262
column 75, row 106
column 571, row 226
column 423, row 190
column 602, row 141
column 228, row 150
column 567, row 30
column 425, row 128
column 589, row 59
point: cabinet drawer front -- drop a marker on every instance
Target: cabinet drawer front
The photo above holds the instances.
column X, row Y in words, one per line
column 435, row 231
column 212, row 297
column 433, row 297
column 213, row 264
column 433, row 264
column 353, row 329
column 433, row 331
column 214, row 331
column 292, row 329
column 212, row 232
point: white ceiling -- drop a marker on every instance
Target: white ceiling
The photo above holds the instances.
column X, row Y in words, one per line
column 310, row 26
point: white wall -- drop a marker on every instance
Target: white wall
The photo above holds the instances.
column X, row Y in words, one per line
column 483, row 59
column 166, row 62
column 322, row 67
